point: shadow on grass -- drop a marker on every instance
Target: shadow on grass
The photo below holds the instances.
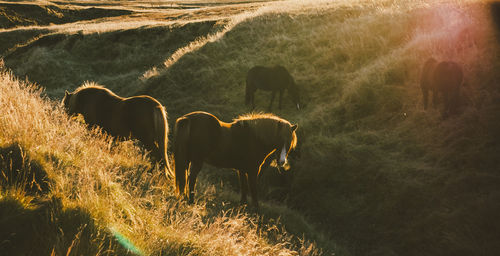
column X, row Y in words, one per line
column 18, row 170
column 31, row 223
column 48, row 227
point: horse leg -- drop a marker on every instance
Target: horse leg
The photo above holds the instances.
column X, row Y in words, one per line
column 435, row 95
column 243, row 186
column 425, row 94
column 193, row 173
column 159, row 157
column 253, row 100
column 455, row 100
column 154, row 150
column 249, row 92
column 181, row 154
column 181, row 167
column 273, row 95
column 252, row 181
column 281, row 97
column 447, row 104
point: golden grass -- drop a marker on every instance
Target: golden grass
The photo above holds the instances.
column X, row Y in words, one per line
column 370, row 158
column 368, row 150
column 116, row 184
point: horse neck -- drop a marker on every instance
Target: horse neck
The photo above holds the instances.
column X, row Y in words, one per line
column 268, row 141
column 116, row 99
column 225, row 133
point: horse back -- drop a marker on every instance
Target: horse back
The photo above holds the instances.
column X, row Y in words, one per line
column 142, row 116
column 268, row 78
column 202, row 136
column 448, row 76
column 138, row 105
column 204, row 132
column 98, row 107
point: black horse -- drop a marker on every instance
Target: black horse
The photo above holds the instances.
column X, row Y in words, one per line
column 275, row 79
column 442, row 79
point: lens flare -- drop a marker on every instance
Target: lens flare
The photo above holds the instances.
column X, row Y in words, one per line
column 125, row 242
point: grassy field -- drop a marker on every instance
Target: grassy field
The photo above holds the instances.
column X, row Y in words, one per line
column 373, row 173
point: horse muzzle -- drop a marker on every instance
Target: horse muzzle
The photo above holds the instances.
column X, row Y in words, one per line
column 282, row 157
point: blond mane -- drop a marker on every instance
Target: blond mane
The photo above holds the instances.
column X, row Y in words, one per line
column 265, row 125
column 254, row 116
column 92, row 84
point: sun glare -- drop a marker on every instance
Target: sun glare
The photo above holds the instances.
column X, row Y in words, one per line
column 449, row 31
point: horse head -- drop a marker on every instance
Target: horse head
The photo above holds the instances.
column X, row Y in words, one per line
column 287, row 140
column 294, row 92
column 67, row 101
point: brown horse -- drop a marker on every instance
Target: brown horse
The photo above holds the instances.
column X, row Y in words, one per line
column 242, row 145
column 140, row 117
column 274, row 79
column 444, row 80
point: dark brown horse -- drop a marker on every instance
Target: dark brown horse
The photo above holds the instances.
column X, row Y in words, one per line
column 444, row 80
column 274, row 79
column 242, row 145
column 140, row 117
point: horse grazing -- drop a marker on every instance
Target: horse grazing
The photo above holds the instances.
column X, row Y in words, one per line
column 139, row 117
column 443, row 79
column 243, row 145
column 275, row 79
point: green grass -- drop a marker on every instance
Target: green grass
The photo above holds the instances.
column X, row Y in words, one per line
column 373, row 173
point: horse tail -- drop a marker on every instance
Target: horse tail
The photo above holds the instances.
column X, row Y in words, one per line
column 161, row 137
column 181, row 141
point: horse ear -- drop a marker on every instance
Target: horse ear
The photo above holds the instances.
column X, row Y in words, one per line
column 294, row 127
column 66, row 93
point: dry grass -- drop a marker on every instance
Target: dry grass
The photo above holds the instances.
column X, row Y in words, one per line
column 115, row 183
column 372, row 172
column 369, row 158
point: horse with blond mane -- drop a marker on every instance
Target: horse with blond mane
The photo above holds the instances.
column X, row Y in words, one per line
column 243, row 145
column 139, row 117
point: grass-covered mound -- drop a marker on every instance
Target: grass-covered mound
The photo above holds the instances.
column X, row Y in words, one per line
column 26, row 14
column 116, row 59
column 372, row 170
column 67, row 190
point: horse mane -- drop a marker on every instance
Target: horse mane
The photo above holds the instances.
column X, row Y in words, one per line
column 258, row 115
column 94, row 85
column 264, row 125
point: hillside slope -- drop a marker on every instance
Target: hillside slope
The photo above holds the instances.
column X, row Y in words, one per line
column 24, row 14
column 373, row 171
column 71, row 191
